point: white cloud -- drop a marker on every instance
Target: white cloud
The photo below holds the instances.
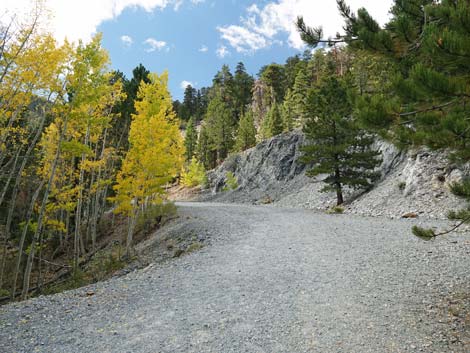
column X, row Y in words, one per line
column 185, row 84
column 127, row 40
column 196, row 2
column 80, row 19
column 154, row 45
column 261, row 26
column 177, row 4
column 242, row 39
column 222, row 51
column 203, row 49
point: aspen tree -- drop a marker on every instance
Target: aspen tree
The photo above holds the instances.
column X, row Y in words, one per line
column 155, row 156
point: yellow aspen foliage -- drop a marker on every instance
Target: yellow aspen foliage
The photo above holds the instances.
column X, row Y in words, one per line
column 78, row 131
column 156, row 152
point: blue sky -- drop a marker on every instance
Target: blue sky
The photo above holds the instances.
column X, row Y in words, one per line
column 191, row 43
column 192, row 39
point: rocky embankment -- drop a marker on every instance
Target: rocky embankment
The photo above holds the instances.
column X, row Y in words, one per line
column 414, row 182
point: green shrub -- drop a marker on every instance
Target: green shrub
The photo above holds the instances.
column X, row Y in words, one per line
column 105, row 263
column 336, row 210
column 194, row 174
column 194, row 247
column 77, row 280
column 231, row 181
column 402, row 185
column 153, row 216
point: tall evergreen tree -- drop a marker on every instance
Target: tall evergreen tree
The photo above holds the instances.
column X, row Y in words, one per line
column 291, row 68
column 189, row 105
column 223, row 85
column 336, row 144
column 190, row 140
column 272, row 124
column 120, row 130
column 287, row 111
column 202, row 101
column 246, row 134
column 273, row 76
column 220, row 124
column 242, row 88
column 299, row 97
column 317, row 65
column 205, row 151
column 428, row 102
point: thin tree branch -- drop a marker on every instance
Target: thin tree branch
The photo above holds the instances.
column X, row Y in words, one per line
column 435, row 107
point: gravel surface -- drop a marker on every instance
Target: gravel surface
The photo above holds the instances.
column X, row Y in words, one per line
column 267, row 280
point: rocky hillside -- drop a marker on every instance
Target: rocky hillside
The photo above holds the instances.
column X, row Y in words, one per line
column 415, row 182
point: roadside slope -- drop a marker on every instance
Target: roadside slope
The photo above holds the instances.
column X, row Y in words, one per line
column 416, row 181
column 270, row 280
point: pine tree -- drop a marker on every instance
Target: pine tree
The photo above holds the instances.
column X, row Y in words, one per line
column 205, row 151
column 223, row 86
column 220, row 125
column 190, row 140
column 288, row 112
column 291, row 68
column 428, row 102
column 246, row 134
column 275, row 120
column 120, row 129
column 242, row 87
column 336, row 144
column 299, row 97
column 273, row 123
column 202, row 101
column 189, row 105
column 273, row 77
column 317, row 66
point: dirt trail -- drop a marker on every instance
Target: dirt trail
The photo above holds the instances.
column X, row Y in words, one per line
column 269, row 280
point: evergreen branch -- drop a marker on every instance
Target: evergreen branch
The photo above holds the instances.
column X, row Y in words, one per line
column 313, row 35
column 429, row 234
column 458, row 225
column 450, row 52
column 426, row 110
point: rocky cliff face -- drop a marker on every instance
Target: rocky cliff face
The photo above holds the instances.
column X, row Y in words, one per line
column 263, row 167
column 412, row 182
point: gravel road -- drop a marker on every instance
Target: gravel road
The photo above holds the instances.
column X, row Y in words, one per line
column 268, row 280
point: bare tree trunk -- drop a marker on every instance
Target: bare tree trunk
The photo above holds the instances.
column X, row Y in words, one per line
column 40, row 272
column 23, row 237
column 339, row 189
column 29, row 263
column 6, row 233
column 78, row 242
column 130, row 231
column 16, row 188
column 96, row 206
column 10, row 176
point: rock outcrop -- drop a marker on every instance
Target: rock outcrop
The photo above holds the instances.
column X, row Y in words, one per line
column 413, row 182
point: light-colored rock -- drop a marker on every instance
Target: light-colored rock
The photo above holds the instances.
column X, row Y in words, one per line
column 416, row 181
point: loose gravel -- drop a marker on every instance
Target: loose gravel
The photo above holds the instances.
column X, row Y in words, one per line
column 267, row 280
